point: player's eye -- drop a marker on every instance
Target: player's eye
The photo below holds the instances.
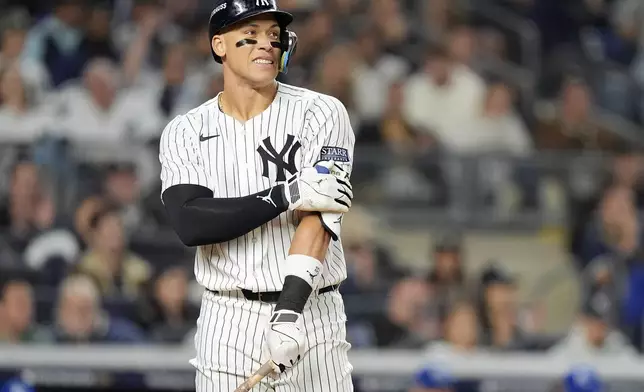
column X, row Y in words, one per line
column 249, row 32
column 274, row 35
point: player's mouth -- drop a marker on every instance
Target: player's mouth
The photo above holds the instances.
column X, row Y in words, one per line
column 264, row 62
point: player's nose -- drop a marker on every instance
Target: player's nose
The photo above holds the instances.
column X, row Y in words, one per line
column 265, row 43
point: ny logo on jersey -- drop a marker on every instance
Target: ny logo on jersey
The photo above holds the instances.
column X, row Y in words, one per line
column 262, row 3
column 269, row 154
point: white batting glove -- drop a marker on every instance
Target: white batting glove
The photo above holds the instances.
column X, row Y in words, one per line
column 285, row 339
column 324, row 188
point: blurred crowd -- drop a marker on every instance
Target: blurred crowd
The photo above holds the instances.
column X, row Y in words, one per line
column 86, row 254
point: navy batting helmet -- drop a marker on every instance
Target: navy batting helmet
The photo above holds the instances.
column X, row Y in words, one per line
column 228, row 12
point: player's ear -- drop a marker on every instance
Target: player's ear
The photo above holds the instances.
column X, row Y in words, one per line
column 218, row 45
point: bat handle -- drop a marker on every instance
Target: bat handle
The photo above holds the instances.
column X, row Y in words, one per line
column 253, row 380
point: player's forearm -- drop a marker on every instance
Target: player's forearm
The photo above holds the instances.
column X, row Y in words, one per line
column 304, row 264
column 200, row 219
column 310, row 239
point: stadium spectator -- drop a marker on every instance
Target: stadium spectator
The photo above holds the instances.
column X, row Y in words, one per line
column 447, row 277
column 97, row 42
column 175, row 96
column 460, row 332
column 571, row 125
column 593, row 335
column 168, row 316
column 80, row 318
column 369, row 264
column 24, row 195
column 315, row 39
column 499, row 311
column 122, row 188
column 21, row 120
column 143, row 40
column 616, row 228
column 117, row 271
column 497, row 128
column 333, row 75
column 373, row 75
column 14, row 26
column 16, row 309
column 56, row 41
column 391, row 130
column 54, row 249
column 440, row 98
column 83, row 216
column 412, row 317
column 100, row 112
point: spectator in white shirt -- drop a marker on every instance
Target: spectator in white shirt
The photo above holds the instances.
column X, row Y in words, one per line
column 442, row 95
column 373, row 75
column 21, row 122
column 594, row 336
column 99, row 112
column 497, row 128
column 13, row 32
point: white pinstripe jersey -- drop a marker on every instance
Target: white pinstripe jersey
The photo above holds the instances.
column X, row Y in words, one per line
column 209, row 148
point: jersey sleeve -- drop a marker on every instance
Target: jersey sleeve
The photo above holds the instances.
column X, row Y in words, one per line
column 328, row 137
column 180, row 156
column 328, row 134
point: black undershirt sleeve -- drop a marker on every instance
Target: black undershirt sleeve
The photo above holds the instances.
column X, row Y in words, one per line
column 200, row 219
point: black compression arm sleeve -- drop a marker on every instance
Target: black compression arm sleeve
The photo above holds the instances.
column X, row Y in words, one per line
column 200, row 219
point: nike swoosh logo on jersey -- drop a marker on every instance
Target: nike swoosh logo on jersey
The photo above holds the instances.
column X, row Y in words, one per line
column 203, row 138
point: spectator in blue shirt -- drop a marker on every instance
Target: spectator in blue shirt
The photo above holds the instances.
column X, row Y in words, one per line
column 56, row 41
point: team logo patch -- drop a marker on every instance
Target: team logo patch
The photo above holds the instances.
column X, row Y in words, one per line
column 336, row 154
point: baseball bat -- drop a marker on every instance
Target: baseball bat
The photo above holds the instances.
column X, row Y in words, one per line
column 253, row 380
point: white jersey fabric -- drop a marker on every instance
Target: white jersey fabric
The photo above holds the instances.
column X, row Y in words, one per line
column 209, row 148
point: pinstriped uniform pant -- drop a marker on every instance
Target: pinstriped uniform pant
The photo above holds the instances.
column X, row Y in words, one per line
column 229, row 343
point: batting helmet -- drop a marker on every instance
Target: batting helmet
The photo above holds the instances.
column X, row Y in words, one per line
column 229, row 12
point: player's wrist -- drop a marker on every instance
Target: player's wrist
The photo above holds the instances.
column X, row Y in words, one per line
column 291, row 192
column 282, row 201
column 303, row 275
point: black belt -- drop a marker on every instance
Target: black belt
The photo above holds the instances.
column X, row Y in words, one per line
column 271, row 297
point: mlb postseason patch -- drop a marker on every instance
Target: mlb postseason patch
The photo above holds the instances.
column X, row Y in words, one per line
column 337, row 154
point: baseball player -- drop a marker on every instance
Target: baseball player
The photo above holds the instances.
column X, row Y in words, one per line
column 258, row 179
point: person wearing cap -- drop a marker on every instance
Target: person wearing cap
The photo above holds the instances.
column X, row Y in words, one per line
column 594, row 335
column 433, row 379
column 581, row 379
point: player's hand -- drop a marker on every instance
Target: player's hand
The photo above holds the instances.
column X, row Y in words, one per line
column 285, row 339
column 324, row 188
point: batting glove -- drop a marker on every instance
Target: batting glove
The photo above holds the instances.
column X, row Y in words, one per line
column 324, row 188
column 285, row 339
